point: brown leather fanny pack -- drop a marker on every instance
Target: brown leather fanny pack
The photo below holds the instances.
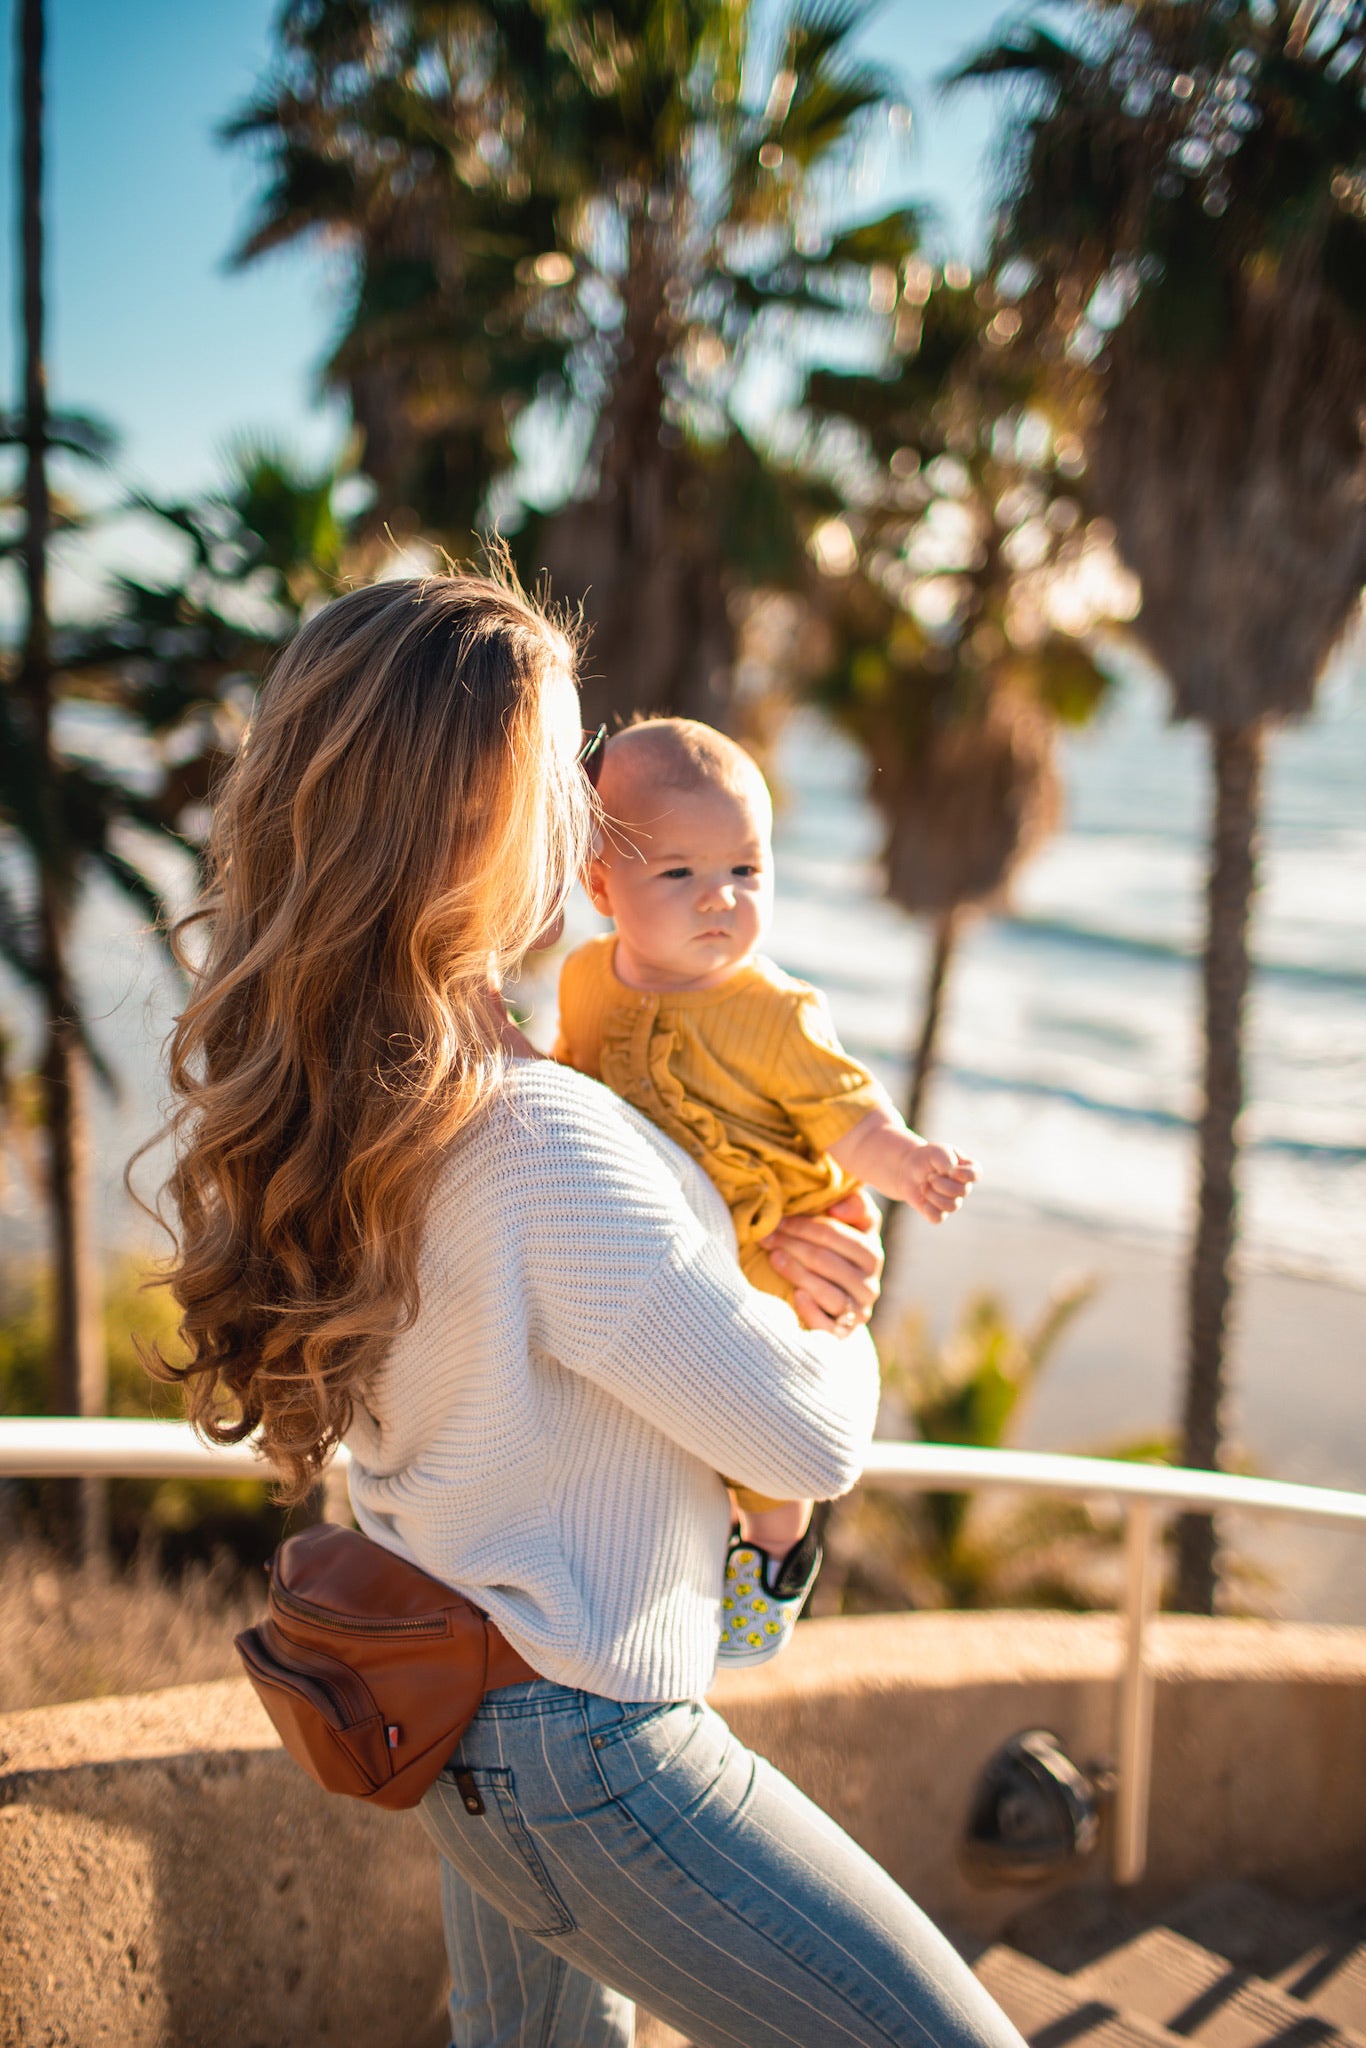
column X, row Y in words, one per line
column 370, row 1669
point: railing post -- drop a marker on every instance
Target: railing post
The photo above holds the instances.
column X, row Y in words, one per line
column 1135, row 1735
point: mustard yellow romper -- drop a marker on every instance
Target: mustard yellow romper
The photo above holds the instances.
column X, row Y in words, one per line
column 749, row 1078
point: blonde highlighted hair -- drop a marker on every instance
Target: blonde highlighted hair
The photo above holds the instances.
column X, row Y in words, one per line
column 397, row 823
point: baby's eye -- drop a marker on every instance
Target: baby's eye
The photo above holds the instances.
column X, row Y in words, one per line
column 745, row 871
column 675, row 874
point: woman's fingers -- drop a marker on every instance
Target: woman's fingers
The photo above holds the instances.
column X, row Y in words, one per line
column 832, row 1262
column 838, row 1267
column 823, row 1305
column 859, row 1245
column 825, row 1288
column 823, row 1256
column 812, row 1317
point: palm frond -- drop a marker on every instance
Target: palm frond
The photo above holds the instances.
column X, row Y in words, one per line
column 75, row 433
column 1029, row 51
column 890, row 238
column 19, row 942
column 129, row 879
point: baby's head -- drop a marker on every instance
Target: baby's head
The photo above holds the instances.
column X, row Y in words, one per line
column 684, row 865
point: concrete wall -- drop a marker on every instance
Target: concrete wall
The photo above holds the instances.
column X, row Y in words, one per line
column 1259, row 1766
column 168, row 1877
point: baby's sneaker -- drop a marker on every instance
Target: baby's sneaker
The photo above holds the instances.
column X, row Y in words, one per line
column 763, row 1597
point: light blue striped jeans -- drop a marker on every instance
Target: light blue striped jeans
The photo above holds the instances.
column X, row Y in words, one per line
column 629, row 1853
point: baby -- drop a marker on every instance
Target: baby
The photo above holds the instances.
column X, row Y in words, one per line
column 680, row 1014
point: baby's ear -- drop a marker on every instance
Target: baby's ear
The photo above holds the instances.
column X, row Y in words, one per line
column 595, row 882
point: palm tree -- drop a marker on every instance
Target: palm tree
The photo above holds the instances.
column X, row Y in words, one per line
column 169, row 665
column 962, row 512
column 681, row 507
column 400, row 133
column 178, row 661
column 77, row 1383
column 1185, row 199
column 576, row 231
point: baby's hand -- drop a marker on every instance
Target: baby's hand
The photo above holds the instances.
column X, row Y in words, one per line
column 935, row 1180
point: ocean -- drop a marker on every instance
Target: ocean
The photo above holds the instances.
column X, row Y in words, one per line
column 1070, row 1053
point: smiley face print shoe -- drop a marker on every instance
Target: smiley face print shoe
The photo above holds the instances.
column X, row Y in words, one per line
column 762, row 1598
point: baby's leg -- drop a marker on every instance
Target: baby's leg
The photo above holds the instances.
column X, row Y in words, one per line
column 776, row 1526
column 771, row 1566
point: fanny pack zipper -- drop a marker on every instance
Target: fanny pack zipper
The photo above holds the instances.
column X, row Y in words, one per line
column 338, row 1694
column 355, row 1625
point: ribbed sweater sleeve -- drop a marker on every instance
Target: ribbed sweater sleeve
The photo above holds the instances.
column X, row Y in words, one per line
column 625, row 1286
column 730, row 1375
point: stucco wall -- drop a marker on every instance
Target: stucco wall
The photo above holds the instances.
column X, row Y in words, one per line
column 168, row 1877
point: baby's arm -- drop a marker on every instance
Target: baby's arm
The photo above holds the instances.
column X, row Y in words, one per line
column 880, row 1149
column 820, row 1086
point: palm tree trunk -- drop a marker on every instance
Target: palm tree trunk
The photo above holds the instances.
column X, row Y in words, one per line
column 941, row 956
column 36, row 673
column 663, row 638
column 945, row 939
column 1237, row 755
column 78, row 1365
column 79, row 1384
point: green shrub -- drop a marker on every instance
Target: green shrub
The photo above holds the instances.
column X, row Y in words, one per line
column 184, row 1521
column 889, row 1549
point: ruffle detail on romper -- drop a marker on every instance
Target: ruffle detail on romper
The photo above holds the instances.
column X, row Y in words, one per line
column 636, row 1055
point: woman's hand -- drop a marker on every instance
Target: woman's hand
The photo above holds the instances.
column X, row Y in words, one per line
column 833, row 1262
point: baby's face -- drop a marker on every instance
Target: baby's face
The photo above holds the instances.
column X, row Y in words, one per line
column 689, row 884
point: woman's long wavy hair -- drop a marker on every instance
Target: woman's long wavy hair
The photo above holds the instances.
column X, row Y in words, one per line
column 402, row 817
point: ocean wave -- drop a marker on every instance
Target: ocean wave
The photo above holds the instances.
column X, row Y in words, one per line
column 1149, row 1115
column 1332, row 1264
column 1026, row 929
column 1135, row 946
column 836, row 975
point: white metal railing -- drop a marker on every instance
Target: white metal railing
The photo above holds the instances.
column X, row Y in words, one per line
column 105, row 1447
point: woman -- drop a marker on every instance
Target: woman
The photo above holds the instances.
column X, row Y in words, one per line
column 519, row 1306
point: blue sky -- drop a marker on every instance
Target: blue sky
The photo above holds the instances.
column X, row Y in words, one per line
column 147, row 325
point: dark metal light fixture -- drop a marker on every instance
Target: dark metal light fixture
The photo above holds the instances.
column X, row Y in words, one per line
column 1033, row 1813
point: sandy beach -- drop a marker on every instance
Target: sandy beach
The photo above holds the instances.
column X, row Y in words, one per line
column 1298, row 1357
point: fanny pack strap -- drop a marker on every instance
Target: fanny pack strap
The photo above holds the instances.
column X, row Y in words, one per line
column 506, row 1666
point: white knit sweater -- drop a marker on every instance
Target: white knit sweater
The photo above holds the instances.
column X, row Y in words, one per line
column 586, row 1359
